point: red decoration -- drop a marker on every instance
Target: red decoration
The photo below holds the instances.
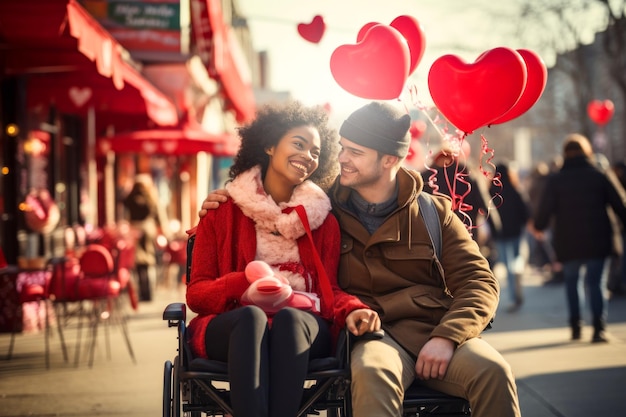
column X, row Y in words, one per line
column 474, row 95
column 375, row 68
column 417, row 129
column 41, row 212
column 313, row 31
column 364, row 29
column 600, row 111
column 535, row 84
column 410, row 29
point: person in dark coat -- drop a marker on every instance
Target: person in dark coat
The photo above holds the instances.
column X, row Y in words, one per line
column 514, row 215
column 144, row 217
column 577, row 198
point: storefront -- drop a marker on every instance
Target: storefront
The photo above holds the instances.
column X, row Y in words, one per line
column 69, row 85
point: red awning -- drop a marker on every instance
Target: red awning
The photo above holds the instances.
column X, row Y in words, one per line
column 221, row 51
column 57, row 43
column 184, row 140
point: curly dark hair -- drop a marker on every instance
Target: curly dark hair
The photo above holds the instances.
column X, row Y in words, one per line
column 272, row 122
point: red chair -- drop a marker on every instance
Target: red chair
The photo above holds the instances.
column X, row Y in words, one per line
column 122, row 248
column 124, row 263
column 63, row 294
column 99, row 284
column 87, row 288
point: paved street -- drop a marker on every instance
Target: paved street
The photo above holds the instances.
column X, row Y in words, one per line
column 556, row 377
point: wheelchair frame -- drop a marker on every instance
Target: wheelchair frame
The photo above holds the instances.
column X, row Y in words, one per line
column 189, row 389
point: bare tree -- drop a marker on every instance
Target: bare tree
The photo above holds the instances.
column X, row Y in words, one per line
column 614, row 42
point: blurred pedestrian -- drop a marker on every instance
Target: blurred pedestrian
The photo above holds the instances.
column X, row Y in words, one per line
column 576, row 198
column 541, row 252
column 514, row 215
column 538, row 256
column 144, row 216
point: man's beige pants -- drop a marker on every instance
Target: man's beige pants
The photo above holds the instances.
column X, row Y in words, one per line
column 382, row 370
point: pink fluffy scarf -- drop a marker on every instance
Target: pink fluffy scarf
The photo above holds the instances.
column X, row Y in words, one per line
column 276, row 232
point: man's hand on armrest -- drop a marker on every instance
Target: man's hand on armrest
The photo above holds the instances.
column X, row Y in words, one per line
column 213, row 201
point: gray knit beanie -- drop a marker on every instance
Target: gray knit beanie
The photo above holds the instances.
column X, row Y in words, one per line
column 379, row 126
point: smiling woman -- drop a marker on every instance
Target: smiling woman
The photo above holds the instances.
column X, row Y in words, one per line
column 278, row 214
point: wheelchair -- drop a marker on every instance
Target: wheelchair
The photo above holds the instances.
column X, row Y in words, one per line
column 196, row 387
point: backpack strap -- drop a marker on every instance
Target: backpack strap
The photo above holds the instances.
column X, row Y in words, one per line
column 431, row 219
column 433, row 227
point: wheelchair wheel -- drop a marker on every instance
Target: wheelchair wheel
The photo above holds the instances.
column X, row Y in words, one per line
column 167, row 389
column 176, row 403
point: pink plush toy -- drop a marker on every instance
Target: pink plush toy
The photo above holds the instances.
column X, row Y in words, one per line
column 272, row 292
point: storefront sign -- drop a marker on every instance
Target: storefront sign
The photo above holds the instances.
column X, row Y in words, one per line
column 147, row 25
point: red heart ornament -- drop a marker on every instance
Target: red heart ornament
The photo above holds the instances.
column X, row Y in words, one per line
column 375, row 68
column 474, row 95
column 600, row 111
column 411, row 31
column 313, row 31
column 535, row 84
column 80, row 96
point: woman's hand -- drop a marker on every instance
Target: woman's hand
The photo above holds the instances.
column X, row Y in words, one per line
column 362, row 321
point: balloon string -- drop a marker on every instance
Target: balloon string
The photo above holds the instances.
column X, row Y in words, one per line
column 423, row 108
column 486, row 154
column 457, row 200
column 460, row 176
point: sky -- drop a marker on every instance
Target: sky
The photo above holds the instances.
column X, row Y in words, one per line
column 465, row 28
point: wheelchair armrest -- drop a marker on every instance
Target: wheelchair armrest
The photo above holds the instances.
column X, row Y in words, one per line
column 347, row 339
column 377, row 335
column 175, row 312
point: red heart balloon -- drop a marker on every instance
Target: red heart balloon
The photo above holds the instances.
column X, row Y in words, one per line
column 412, row 32
column 535, row 84
column 313, row 31
column 364, row 29
column 375, row 68
column 474, row 95
column 600, row 111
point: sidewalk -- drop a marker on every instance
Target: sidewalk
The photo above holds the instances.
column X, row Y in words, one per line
column 111, row 388
column 556, row 377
